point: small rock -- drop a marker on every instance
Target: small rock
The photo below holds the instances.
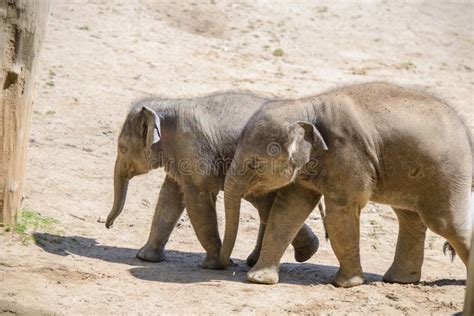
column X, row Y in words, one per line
column 145, row 203
column 392, row 296
column 101, row 219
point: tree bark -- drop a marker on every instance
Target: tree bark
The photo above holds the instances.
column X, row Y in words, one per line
column 22, row 29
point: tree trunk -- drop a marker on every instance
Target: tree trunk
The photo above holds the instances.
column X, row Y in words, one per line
column 22, row 29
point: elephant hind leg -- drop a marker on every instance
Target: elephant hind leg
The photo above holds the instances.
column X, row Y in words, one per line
column 406, row 266
column 458, row 238
column 454, row 226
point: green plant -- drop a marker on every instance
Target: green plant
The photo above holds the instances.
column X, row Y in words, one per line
column 409, row 65
column 376, row 229
column 278, row 52
column 30, row 220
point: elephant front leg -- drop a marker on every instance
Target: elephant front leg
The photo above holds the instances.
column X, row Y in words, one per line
column 201, row 209
column 290, row 209
column 342, row 224
column 406, row 267
column 255, row 254
column 263, row 205
column 305, row 244
column 168, row 210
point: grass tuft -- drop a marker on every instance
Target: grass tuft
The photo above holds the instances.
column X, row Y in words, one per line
column 30, row 220
column 278, row 52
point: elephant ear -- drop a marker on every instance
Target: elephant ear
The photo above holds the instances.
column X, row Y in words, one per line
column 152, row 126
column 304, row 137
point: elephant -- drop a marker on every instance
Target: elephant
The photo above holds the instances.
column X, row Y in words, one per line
column 194, row 141
column 366, row 142
column 469, row 300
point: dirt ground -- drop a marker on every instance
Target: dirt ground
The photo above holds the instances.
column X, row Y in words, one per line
column 101, row 55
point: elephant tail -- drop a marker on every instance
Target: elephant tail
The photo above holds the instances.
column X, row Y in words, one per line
column 322, row 211
column 447, row 248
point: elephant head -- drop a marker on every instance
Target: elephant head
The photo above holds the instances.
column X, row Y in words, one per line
column 138, row 153
column 269, row 155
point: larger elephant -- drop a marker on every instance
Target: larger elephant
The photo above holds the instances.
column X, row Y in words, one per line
column 369, row 142
column 194, row 140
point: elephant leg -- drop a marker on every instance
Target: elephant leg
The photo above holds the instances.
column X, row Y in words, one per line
column 289, row 211
column 306, row 243
column 453, row 224
column 255, row 254
column 342, row 223
column 263, row 206
column 168, row 210
column 201, row 208
column 406, row 267
column 469, row 296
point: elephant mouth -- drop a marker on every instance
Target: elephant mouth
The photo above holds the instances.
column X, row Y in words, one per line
column 255, row 192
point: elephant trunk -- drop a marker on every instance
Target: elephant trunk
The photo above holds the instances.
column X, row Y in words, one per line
column 120, row 193
column 233, row 191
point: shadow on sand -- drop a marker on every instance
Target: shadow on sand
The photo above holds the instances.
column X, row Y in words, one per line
column 172, row 269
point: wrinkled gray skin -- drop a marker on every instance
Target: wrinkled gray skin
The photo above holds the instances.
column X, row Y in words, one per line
column 372, row 142
column 198, row 136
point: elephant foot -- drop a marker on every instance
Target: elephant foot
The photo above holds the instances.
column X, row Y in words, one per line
column 267, row 275
column 253, row 258
column 351, row 280
column 305, row 252
column 404, row 276
column 151, row 254
column 213, row 263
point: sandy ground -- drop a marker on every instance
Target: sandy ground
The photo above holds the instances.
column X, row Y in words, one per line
column 101, row 55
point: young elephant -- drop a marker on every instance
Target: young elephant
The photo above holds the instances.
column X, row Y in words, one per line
column 192, row 139
column 469, row 300
column 370, row 142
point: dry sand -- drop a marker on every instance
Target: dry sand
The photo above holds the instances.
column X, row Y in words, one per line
column 101, row 55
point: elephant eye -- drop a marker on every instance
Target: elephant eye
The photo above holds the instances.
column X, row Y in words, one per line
column 122, row 149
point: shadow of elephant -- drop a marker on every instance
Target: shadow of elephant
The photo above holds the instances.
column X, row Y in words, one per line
column 86, row 247
column 290, row 273
column 171, row 270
